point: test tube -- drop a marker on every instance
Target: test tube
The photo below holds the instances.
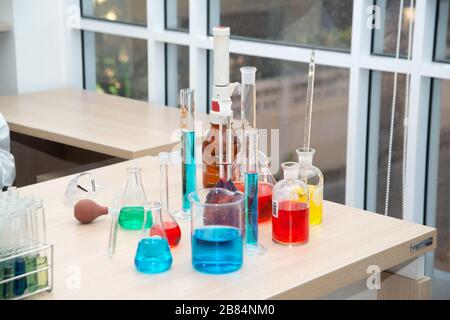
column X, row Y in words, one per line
column 189, row 182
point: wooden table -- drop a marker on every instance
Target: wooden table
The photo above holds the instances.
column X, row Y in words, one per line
column 338, row 253
column 107, row 124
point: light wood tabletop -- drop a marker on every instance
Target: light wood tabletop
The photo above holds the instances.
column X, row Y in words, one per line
column 112, row 125
column 338, row 253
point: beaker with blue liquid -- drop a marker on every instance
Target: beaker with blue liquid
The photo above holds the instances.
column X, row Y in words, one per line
column 153, row 252
column 217, row 230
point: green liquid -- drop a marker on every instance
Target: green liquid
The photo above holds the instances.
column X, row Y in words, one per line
column 31, row 265
column 42, row 276
column 8, row 272
column 132, row 218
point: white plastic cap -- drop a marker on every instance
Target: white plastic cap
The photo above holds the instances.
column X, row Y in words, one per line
column 225, row 107
column 221, row 31
column 248, row 75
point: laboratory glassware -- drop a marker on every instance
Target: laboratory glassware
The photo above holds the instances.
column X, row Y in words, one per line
column 133, row 200
column 153, row 252
column 82, row 186
column 251, row 183
column 226, row 149
column 189, row 179
column 217, row 230
column 167, row 222
column 313, row 178
column 248, row 120
column 290, row 219
column 222, row 90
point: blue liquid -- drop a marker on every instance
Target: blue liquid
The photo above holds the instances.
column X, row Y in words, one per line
column 20, row 285
column 153, row 256
column 188, row 168
column 251, row 208
column 217, row 249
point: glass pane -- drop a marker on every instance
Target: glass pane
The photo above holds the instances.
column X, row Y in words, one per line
column 177, row 72
column 443, row 32
column 316, row 23
column 385, row 38
column 379, row 131
column 129, row 11
column 439, row 180
column 281, row 93
column 177, row 15
column 116, row 65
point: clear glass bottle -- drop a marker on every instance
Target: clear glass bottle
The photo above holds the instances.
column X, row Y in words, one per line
column 290, row 203
column 313, row 177
column 153, row 252
column 133, row 200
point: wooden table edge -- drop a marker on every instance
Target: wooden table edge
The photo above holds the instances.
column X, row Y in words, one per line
column 357, row 271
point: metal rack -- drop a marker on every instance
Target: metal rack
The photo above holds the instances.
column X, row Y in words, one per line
column 40, row 248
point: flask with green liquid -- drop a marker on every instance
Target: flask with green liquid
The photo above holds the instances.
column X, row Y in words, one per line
column 133, row 200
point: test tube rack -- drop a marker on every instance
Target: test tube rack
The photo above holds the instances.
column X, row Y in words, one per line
column 43, row 249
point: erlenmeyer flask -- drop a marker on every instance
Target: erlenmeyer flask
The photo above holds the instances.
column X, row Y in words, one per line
column 133, row 200
column 153, row 252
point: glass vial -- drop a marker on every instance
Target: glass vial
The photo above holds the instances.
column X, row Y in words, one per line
column 189, row 179
column 133, row 200
column 290, row 214
column 313, row 177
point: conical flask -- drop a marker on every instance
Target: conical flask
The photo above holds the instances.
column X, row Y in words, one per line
column 266, row 180
column 133, row 200
column 165, row 221
column 153, row 252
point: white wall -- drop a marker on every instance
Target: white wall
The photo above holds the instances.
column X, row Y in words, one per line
column 8, row 78
column 47, row 53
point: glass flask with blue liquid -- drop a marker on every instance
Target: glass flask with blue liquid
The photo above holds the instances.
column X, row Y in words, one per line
column 153, row 252
column 217, row 230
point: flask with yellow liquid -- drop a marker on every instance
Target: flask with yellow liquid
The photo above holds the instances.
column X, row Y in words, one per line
column 313, row 178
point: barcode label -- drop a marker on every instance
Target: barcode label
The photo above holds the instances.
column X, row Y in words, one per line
column 275, row 209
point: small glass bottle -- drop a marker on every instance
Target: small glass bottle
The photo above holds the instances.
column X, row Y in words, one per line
column 153, row 252
column 133, row 200
column 290, row 208
column 313, row 177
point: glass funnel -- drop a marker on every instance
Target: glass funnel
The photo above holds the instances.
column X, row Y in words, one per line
column 217, row 230
column 313, row 177
column 153, row 252
column 290, row 220
column 133, row 200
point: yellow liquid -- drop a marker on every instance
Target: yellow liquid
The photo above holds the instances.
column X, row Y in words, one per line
column 315, row 203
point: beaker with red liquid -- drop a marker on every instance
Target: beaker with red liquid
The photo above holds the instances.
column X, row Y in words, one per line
column 290, row 208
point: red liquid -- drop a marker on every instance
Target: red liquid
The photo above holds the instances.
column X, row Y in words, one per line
column 292, row 224
column 173, row 232
column 264, row 199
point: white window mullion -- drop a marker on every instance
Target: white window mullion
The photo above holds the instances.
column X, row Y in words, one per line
column 156, row 53
column 198, row 56
column 357, row 108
